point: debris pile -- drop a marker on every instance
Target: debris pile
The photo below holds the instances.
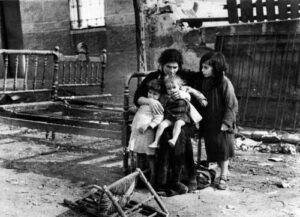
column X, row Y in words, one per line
column 268, row 141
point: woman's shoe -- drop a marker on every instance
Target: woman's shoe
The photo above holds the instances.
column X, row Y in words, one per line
column 192, row 186
column 180, row 188
column 222, row 184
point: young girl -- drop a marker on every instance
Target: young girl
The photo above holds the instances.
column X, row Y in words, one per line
column 177, row 112
column 143, row 124
column 219, row 116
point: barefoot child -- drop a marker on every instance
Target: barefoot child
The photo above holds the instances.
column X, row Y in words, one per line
column 177, row 111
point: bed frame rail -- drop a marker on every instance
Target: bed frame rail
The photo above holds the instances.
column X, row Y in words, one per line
column 29, row 71
column 83, row 70
column 41, row 71
column 32, row 71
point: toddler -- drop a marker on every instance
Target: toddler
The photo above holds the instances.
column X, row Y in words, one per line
column 177, row 112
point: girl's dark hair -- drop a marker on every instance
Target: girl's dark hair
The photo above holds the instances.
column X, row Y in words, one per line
column 171, row 55
column 155, row 85
column 218, row 62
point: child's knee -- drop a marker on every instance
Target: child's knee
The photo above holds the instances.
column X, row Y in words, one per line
column 180, row 123
column 164, row 125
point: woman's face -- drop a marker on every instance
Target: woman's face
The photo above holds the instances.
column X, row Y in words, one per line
column 170, row 68
column 207, row 70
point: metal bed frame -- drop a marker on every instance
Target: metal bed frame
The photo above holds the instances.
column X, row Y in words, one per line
column 46, row 75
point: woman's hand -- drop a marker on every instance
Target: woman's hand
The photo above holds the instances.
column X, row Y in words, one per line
column 143, row 128
column 203, row 102
column 156, row 106
column 224, row 127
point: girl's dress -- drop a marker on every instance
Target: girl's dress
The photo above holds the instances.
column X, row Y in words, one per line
column 222, row 108
column 138, row 141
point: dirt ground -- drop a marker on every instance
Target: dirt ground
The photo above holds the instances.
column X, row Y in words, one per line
column 37, row 174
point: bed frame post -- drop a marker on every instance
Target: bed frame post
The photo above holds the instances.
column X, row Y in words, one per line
column 125, row 128
column 103, row 59
column 54, row 95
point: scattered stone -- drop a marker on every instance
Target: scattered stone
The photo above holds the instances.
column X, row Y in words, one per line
column 275, row 159
column 272, row 192
column 291, row 138
column 244, row 143
column 288, row 149
column 13, row 181
column 271, row 138
column 263, row 148
column 270, row 142
column 282, row 184
column 257, row 134
column 230, row 207
column 253, row 171
column 275, row 148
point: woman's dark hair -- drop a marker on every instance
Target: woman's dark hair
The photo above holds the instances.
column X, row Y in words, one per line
column 171, row 55
column 217, row 61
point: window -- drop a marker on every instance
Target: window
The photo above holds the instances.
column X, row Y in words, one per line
column 86, row 13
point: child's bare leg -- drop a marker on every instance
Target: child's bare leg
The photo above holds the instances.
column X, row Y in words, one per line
column 161, row 128
column 176, row 131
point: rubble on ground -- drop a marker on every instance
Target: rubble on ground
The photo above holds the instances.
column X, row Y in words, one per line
column 268, row 141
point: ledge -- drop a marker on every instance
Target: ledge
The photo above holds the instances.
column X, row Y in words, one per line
column 88, row 30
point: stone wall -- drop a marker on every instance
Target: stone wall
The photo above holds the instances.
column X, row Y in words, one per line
column 45, row 24
column 164, row 31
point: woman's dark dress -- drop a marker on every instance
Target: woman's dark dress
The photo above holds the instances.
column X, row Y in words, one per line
column 222, row 108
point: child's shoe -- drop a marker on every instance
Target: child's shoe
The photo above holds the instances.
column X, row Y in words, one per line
column 172, row 142
column 192, row 186
column 222, row 183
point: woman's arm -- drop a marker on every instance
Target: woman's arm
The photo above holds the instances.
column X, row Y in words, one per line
column 155, row 105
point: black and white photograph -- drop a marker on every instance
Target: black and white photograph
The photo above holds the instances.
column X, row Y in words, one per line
column 157, row 108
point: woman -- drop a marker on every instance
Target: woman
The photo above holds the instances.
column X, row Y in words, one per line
column 171, row 158
column 219, row 116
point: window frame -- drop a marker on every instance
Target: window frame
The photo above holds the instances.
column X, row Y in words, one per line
column 82, row 16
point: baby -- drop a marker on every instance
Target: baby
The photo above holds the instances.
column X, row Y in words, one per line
column 177, row 112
